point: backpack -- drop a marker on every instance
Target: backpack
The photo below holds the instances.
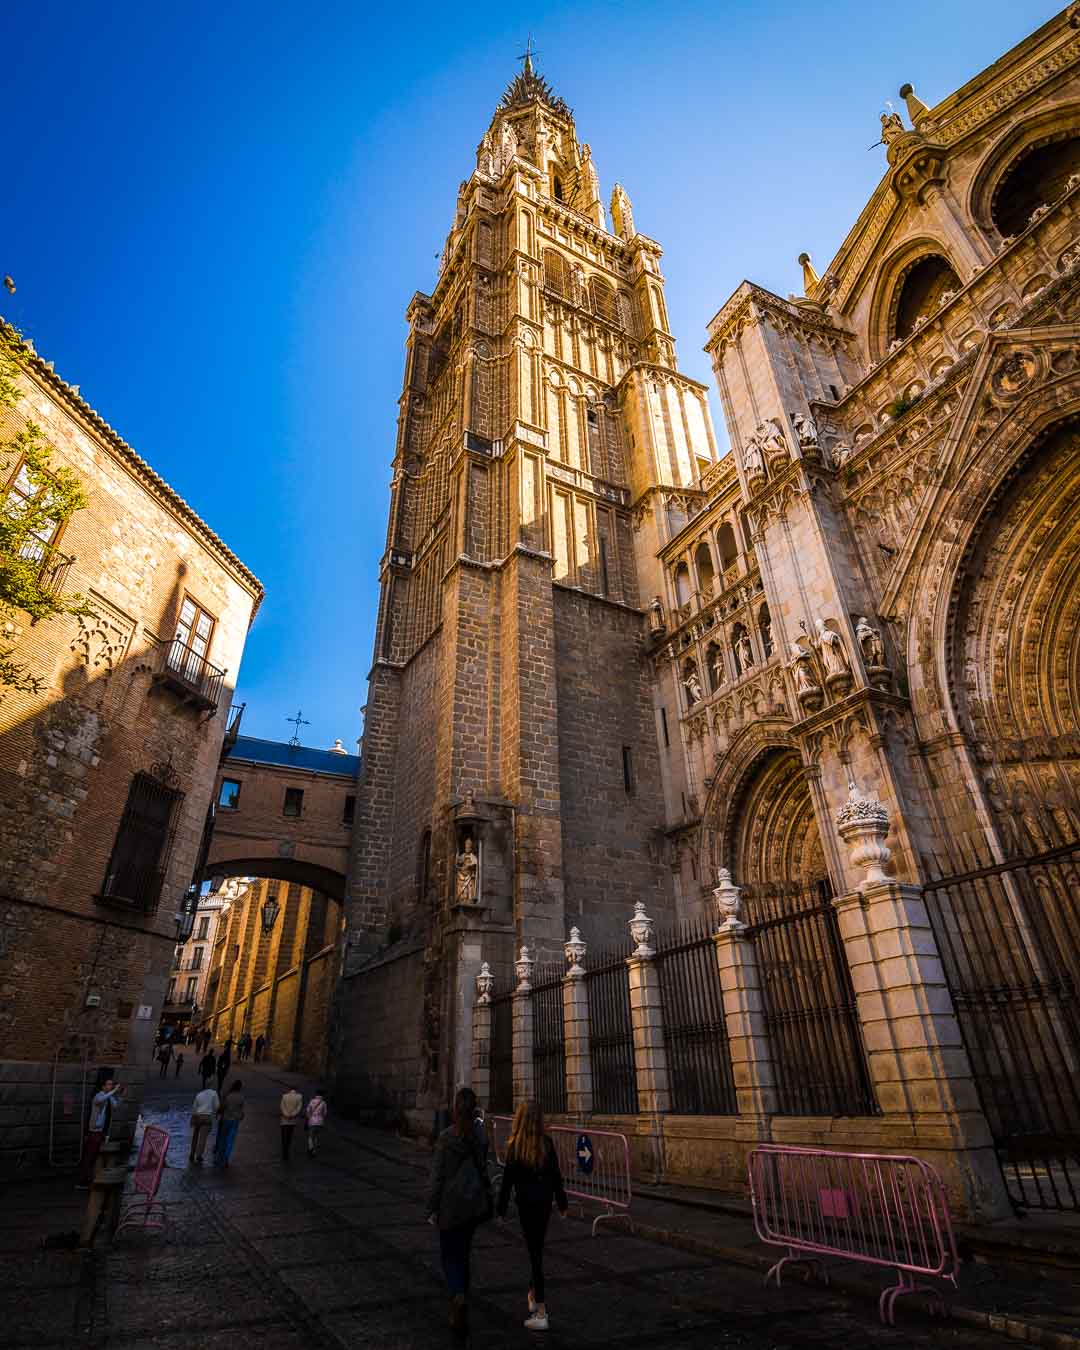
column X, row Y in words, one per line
column 468, row 1192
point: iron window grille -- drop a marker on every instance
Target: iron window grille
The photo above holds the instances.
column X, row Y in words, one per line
column 144, row 840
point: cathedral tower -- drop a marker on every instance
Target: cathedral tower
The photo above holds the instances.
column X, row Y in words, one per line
column 546, row 445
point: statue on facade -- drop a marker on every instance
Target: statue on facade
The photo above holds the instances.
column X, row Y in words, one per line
column 806, row 430
column 508, row 146
column 693, row 685
column 466, row 868
column 765, row 627
column 870, row 644
column 834, row 655
column 719, row 673
column 753, row 460
column 485, row 155
column 590, row 179
column 622, row 213
column 657, row 623
column 744, row 650
column 891, row 127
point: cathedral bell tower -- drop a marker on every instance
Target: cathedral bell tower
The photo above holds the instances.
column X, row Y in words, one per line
column 510, row 784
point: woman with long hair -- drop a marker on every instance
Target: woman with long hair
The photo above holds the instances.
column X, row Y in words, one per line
column 459, row 1199
column 532, row 1173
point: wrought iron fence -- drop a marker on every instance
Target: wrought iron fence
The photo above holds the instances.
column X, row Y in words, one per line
column 502, row 1053
column 1009, row 938
column 611, row 1034
column 188, row 671
column 695, row 1033
column 549, row 1037
column 809, row 1003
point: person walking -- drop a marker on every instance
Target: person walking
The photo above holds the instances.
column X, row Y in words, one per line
column 260, row 1043
column 459, row 1199
column 164, row 1055
column 315, row 1119
column 292, row 1108
column 101, row 1109
column 205, row 1107
column 207, row 1067
column 230, row 1114
column 224, row 1063
column 532, row 1173
column 179, row 1063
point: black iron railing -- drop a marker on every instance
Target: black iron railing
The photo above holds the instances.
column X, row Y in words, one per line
column 695, row 1033
column 53, row 566
column 549, row 1038
column 809, row 1002
column 190, row 674
column 611, row 1034
column 502, row 1053
column 1009, row 939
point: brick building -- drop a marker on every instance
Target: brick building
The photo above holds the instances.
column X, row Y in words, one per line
column 106, row 774
column 614, row 668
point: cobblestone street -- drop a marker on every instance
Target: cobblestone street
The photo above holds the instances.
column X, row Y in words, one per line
column 334, row 1252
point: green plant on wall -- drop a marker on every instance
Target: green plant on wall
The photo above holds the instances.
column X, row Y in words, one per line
column 38, row 499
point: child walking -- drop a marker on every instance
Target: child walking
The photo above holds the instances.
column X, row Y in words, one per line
column 532, row 1173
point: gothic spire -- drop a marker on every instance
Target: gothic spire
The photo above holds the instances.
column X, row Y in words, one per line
column 527, row 86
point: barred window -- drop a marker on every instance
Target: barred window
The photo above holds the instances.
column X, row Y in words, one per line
column 144, row 840
column 603, row 300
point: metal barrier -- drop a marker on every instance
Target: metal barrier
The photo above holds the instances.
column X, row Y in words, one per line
column 880, row 1209
column 595, row 1164
column 144, row 1210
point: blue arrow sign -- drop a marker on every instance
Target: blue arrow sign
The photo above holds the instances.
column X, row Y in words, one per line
column 584, row 1154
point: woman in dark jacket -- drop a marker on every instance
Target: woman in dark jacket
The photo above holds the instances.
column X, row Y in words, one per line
column 459, row 1198
column 532, row 1173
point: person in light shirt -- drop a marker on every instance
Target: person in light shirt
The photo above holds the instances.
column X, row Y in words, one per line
column 203, row 1111
column 101, row 1108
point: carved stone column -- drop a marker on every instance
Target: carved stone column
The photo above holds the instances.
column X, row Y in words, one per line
column 915, row 1053
column 647, row 1014
column 744, row 1014
column 524, row 1076
column 481, row 1036
column 576, row 1028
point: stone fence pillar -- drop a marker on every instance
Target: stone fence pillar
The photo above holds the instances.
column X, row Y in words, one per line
column 576, row 1028
column 524, row 1074
column 915, row 1052
column 744, row 1014
column 647, row 1014
column 481, row 1036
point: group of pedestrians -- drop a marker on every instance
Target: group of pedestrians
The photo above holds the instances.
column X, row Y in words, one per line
column 167, row 1055
column 228, row 1110
column 460, row 1198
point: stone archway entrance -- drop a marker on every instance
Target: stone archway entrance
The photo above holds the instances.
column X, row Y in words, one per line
column 774, row 833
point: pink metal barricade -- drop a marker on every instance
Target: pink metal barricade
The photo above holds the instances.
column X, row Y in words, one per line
column 595, row 1164
column 144, row 1210
column 881, row 1209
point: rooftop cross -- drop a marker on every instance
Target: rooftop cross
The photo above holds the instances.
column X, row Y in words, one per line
column 300, row 721
column 527, row 55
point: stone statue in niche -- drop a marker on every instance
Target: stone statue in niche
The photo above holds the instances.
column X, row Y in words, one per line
column 719, row 673
column 744, row 650
column 657, row 622
column 693, row 685
column 803, row 671
column 766, row 635
column 508, row 146
column 806, row 430
column 834, row 658
column 870, row 644
column 753, row 460
column 466, row 870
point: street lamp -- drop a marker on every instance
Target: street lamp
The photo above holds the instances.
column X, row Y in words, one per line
column 270, row 912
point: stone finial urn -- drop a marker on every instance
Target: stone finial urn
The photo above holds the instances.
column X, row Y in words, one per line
column 641, row 931
column 523, row 970
column 575, row 951
column 863, row 823
column 728, row 899
column 485, row 984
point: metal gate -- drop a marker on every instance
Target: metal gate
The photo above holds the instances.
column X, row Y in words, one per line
column 809, row 1003
column 502, row 1053
column 611, row 1035
column 549, row 1038
column 1009, row 941
column 695, row 1032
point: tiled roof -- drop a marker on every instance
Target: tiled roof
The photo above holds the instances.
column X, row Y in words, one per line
column 254, row 750
column 157, row 484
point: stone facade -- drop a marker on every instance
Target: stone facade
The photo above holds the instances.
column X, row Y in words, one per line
column 865, row 613
column 127, row 712
column 278, row 984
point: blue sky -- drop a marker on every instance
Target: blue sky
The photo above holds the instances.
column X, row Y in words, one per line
column 216, row 216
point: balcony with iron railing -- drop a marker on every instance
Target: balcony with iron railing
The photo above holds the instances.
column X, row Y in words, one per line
column 188, row 674
column 191, row 964
column 53, row 566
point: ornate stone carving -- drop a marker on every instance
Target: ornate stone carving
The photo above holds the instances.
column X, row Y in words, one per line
column 103, row 637
column 754, row 464
column 863, row 823
column 622, row 213
column 641, row 931
column 728, row 899
column 873, row 653
column 523, row 970
column 803, row 671
column 834, row 658
column 891, row 128
column 466, row 872
column 744, row 650
column 657, row 623
column 806, row 430
column 485, row 984
column 575, row 951
column 693, row 685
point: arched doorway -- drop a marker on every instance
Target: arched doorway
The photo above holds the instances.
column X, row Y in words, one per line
column 774, row 843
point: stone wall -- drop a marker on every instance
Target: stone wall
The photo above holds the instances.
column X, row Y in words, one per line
column 379, row 1063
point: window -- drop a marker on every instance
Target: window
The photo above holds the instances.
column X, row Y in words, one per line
column 663, row 726
column 604, row 584
column 348, row 814
column 835, row 393
column 194, row 628
column 628, row 770
column 705, row 573
column 554, row 272
column 603, row 300
column 682, row 584
column 140, row 852
column 294, row 802
column 196, row 958
column 204, row 928
column 920, row 293
column 192, row 989
column 229, row 796
column 557, row 188
column 170, row 996
column 21, row 493
column 725, row 543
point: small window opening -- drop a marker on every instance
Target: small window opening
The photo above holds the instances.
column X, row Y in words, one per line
column 628, row 769
column 558, row 188
column 349, row 810
column 294, row 802
column 663, row 726
column 604, row 566
column 835, row 393
column 229, row 796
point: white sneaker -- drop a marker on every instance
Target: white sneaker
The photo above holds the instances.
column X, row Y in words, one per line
column 537, row 1322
